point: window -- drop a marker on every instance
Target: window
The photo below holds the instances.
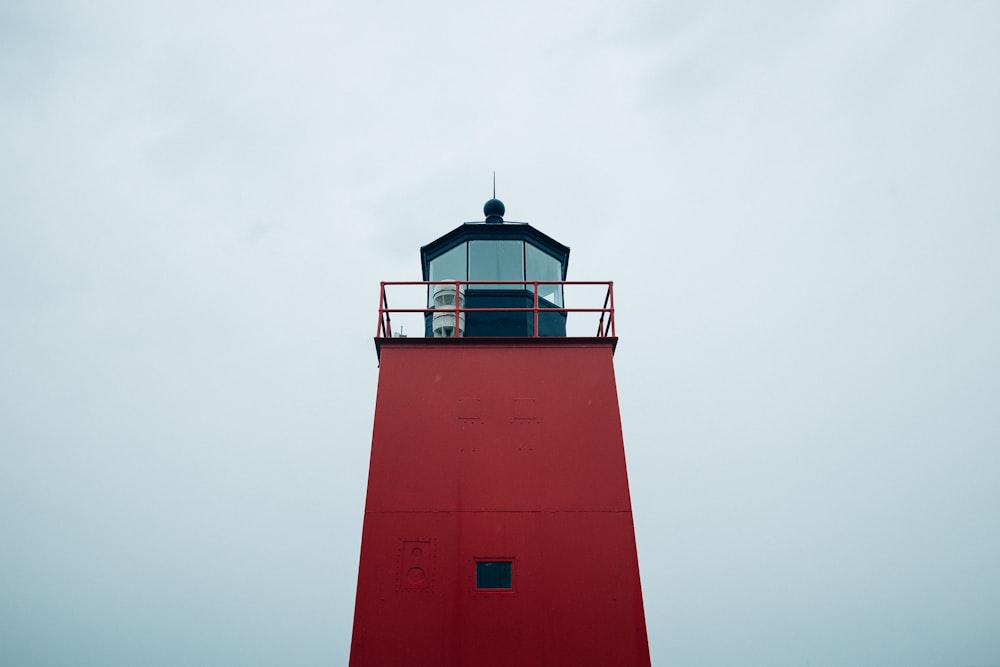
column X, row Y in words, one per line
column 493, row 575
column 448, row 266
column 496, row 260
column 540, row 265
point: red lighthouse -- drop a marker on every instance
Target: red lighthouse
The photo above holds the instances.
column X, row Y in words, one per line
column 498, row 525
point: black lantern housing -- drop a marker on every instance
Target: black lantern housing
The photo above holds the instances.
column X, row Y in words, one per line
column 502, row 251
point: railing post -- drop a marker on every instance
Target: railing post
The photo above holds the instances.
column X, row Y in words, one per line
column 611, row 296
column 536, row 309
column 381, row 310
column 600, row 321
column 454, row 333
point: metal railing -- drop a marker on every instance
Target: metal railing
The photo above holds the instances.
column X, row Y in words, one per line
column 605, row 323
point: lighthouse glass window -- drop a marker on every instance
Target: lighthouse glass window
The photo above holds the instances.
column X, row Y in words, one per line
column 496, row 260
column 493, row 575
column 451, row 265
column 540, row 265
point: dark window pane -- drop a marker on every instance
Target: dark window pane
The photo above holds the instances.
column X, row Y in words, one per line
column 497, row 260
column 540, row 265
column 493, row 574
column 449, row 266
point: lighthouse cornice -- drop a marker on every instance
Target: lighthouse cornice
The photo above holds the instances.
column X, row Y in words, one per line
column 610, row 342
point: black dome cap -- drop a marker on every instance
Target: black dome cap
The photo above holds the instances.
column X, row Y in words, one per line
column 494, row 210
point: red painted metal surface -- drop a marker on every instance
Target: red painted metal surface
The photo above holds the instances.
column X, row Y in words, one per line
column 498, row 450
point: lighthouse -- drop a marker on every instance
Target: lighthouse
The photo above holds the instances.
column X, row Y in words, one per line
column 498, row 524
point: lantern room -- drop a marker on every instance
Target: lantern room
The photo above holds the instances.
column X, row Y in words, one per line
column 524, row 263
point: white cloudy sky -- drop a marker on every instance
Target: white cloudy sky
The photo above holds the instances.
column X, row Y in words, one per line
column 798, row 202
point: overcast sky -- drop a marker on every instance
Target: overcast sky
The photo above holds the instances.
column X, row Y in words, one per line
column 799, row 203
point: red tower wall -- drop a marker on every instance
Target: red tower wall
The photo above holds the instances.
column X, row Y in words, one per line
column 498, row 451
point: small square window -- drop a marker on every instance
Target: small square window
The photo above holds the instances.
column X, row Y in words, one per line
column 492, row 574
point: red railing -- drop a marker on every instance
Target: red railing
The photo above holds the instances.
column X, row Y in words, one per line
column 605, row 324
